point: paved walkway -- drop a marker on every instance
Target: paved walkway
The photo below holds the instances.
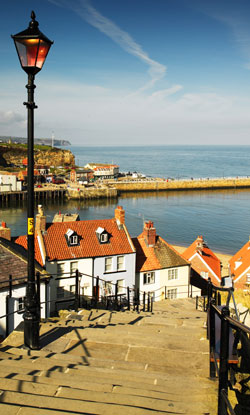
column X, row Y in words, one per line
column 114, row 363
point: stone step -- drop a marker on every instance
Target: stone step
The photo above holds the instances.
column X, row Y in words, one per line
column 156, row 390
column 163, row 403
column 74, row 405
column 8, row 409
column 66, row 360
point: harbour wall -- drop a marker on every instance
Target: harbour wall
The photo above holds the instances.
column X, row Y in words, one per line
column 91, row 193
column 196, row 184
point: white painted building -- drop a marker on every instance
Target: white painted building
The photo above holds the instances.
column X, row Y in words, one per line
column 13, row 263
column 10, row 183
column 160, row 270
column 96, row 248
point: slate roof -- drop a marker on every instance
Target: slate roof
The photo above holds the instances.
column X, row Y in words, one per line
column 13, row 262
column 243, row 256
column 207, row 255
column 89, row 246
column 161, row 255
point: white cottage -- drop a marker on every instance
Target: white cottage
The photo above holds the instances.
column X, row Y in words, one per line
column 13, row 277
column 160, row 270
column 96, row 248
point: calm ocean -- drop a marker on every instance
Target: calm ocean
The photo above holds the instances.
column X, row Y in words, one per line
column 222, row 217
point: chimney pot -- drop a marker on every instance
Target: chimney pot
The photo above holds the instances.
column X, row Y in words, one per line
column 149, row 233
column 120, row 215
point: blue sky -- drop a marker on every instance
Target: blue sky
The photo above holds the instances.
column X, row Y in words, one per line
column 134, row 72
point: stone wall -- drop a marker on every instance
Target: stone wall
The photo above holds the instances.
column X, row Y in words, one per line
column 154, row 185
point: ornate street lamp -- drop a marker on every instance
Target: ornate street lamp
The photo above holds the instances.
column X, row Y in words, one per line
column 32, row 48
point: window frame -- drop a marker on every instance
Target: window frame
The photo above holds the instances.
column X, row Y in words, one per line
column 106, row 265
column 147, row 276
column 172, row 293
column 122, row 266
column 73, row 271
column 173, row 274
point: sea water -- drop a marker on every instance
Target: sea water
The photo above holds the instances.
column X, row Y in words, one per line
column 221, row 216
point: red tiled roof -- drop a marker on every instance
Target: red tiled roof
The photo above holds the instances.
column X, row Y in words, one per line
column 161, row 255
column 207, row 255
column 57, row 248
column 22, row 240
column 243, row 255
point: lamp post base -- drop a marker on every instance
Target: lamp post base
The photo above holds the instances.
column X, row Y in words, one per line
column 31, row 331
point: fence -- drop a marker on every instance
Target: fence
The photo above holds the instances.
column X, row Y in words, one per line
column 130, row 297
column 229, row 350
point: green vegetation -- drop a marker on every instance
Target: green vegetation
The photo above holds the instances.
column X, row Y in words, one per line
column 24, row 147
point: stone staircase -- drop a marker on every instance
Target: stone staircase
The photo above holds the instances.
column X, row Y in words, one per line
column 103, row 362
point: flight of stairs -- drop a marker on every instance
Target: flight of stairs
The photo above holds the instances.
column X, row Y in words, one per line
column 103, row 362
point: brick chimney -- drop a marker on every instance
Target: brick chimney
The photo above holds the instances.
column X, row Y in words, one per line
column 5, row 232
column 120, row 215
column 199, row 244
column 149, row 233
column 40, row 220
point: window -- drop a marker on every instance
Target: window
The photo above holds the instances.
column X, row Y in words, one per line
column 71, row 237
column 60, row 268
column 60, row 292
column 120, row 263
column 104, row 237
column 149, row 278
column 248, row 279
column 20, row 306
column 74, row 240
column 173, row 274
column 171, row 294
column 73, row 267
column 108, row 264
column 120, row 286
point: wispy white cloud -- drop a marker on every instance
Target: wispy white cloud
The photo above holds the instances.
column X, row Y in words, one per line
column 88, row 13
column 7, row 117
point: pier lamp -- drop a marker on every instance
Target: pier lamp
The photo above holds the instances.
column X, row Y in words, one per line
column 32, row 48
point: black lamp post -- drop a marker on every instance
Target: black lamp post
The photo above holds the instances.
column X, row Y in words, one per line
column 32, row 48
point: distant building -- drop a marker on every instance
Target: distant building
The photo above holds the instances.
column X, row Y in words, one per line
column 10, row 183
column 203, row 261
column 77, row 175
column 160, row 270
column 104, row 171
column 239, row 266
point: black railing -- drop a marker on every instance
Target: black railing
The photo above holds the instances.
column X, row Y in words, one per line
column 229, row 347
column 108, row 299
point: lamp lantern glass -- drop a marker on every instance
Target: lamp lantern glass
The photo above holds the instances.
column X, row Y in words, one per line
column 32, row 47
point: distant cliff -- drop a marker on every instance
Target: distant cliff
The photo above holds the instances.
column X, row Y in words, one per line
column 13, row 154
column 41, row 141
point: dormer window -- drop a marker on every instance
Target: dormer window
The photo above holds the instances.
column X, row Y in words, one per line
column 102, row 235
column 72, row 237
